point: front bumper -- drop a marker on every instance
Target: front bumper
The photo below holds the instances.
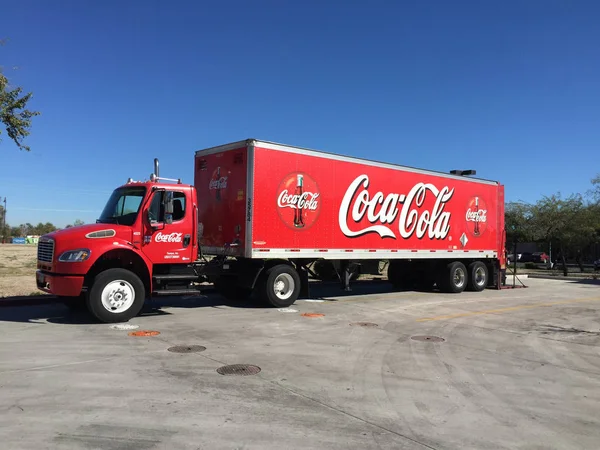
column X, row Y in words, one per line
column 67, row 286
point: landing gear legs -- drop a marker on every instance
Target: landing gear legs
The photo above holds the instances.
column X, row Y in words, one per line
column 347, row 273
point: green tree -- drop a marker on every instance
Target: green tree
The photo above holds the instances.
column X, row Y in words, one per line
column 568, row 221
column 14, row 114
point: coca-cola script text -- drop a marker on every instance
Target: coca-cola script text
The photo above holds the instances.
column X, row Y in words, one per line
column 308, row 200
column 172, row 237
column 381, row 210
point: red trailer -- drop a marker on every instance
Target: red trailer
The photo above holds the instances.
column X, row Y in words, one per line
column 260, row 213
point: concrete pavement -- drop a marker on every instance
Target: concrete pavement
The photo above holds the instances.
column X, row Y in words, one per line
column 516, row 369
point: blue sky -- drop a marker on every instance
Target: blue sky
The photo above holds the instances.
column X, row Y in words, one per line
column 509, row 88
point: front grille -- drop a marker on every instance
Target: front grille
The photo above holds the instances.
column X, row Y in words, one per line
column 45, row 250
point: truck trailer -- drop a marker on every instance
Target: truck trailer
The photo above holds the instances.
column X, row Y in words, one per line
column 259, row 214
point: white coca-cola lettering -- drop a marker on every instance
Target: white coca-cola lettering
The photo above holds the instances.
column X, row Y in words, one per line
column 220, row 183
column 173, row 237
column 308, row 200
column 476, row 216
column 384, row 209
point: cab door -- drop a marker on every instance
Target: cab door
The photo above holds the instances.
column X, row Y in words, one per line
column 168, row 234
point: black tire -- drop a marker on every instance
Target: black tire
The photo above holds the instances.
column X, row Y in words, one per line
column 453, row 278
column 126, row 287
column 399, row 275
column 291, row 286
column 478, row 276
column 77, row 304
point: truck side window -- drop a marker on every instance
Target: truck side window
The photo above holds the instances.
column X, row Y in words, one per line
column 178, row 206
column 156, row 210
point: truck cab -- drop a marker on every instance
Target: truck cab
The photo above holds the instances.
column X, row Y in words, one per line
column 144, row 240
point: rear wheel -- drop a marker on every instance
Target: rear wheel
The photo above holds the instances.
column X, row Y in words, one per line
column 478, row 276
column 117, row 295
column 281, row 286
column 453, row 278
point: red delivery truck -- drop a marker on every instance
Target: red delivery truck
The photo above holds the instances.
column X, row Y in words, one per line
column 259, row 214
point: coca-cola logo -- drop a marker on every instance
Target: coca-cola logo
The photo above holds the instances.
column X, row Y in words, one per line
column 172, row 237
column 217, row 186
column 381, row 210
column 298, row 201
column 220, row 183
column 476, row 216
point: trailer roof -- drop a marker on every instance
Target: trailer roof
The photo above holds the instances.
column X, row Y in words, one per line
column 335, row 156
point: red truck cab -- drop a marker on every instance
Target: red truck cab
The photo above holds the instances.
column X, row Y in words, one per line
column 111, row 266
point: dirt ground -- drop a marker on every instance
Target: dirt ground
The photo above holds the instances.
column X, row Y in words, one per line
column 17, row 270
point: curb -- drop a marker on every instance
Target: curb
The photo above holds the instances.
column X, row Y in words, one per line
column 561, row 278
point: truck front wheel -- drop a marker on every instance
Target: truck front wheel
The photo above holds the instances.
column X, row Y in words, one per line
column 117, row 295
column 281, row 286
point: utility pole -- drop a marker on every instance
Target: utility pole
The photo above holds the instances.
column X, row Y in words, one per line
column 4, row 221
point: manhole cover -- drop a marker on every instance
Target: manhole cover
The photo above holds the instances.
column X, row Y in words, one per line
column 239, row 369
column 364, row 324
column 124, row 326
column 428, row 338
column 313, row 315
column 144, row 333
column 186, row 348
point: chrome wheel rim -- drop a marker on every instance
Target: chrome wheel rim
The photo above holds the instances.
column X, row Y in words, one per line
column 283, row 286
column 118, row 296
column 459, row 277
column 480, row 277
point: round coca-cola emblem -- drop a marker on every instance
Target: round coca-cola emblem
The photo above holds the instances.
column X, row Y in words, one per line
column 217, row 186
column 298, row 201
column 476, row 216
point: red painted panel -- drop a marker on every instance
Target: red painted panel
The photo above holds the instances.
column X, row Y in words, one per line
column 350, row 205
column 220, row 181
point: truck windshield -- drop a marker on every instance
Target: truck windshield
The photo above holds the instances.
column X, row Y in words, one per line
column 123, row 206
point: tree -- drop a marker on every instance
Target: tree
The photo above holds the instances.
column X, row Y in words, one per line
column 519, row 224
column 569, row 221
column 595, row 192
column 14, row 114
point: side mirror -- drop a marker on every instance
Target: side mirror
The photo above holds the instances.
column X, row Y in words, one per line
column 168, row 207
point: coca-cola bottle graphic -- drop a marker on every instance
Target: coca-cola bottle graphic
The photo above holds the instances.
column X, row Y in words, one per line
column 476, row 231
column 218, row 185
column 298, row 220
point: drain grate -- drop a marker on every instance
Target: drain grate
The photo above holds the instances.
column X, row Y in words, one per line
column 186, row 348
column 428, row 338
column 364, row 324
column 124, row 326
column 239, row 369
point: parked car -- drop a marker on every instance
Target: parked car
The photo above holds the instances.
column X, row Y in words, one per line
column 526, row 257
column 540, row 257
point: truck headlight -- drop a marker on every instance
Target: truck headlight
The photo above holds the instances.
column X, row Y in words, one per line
column 75, row 255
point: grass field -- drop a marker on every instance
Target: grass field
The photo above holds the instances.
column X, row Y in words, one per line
column 17, row 270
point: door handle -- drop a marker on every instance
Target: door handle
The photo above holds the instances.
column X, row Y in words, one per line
column 186, row 240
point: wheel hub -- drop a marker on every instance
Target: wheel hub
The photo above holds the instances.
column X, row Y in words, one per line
column 283, row 286
column 118, row 296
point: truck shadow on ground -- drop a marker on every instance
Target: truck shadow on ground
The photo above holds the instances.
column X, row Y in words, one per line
column 46, row 309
